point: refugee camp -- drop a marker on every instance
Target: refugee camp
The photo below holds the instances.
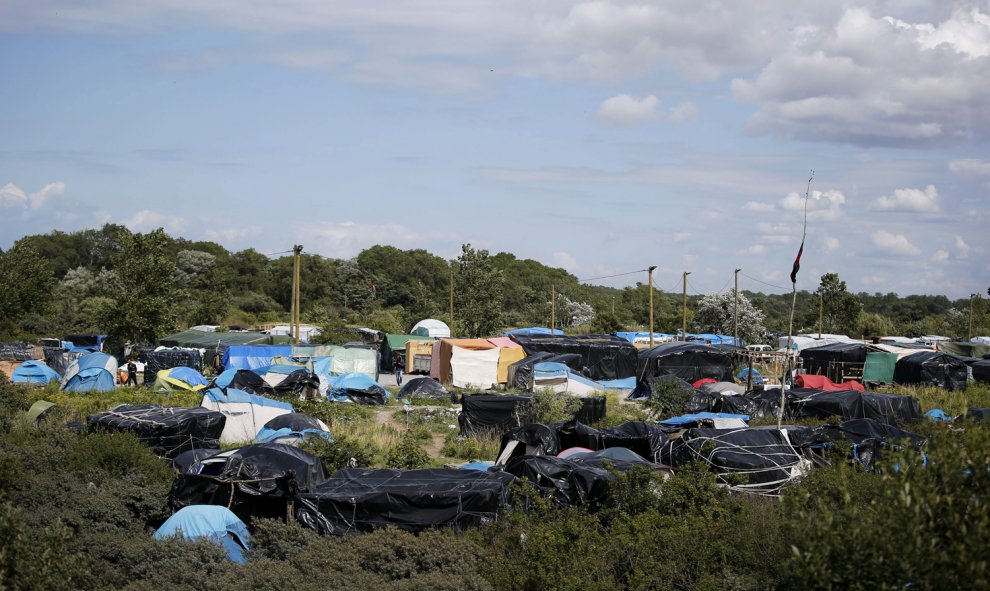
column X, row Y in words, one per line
column 495, row 296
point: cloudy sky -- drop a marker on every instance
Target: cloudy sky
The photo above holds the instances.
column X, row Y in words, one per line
column 600, row 136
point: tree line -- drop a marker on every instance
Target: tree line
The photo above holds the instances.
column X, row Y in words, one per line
column 141, row 286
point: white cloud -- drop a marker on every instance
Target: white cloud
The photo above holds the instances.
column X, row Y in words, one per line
column 756, row 249
column 940, row 256
column 564, row 260
column 686, row 111
column 831, row 244
column 13, row 196
column 823, row 206
column 39, row 198
column 895, row 244
column 914, row 200
column 962, row 247
column 757, row 207
column 348, row 239
column 970, row 166
column 627, row 110
column 147, row 220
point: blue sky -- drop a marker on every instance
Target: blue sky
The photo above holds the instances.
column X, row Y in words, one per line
column 599, row 136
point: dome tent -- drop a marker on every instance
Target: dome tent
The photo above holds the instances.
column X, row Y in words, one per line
column 34, row 372
column 89, row 373
column 431, row 328
column 214, row 523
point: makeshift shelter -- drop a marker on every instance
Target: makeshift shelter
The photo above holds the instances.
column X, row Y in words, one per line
column 641, row 438
column 431, row 328
column 869, row 439
column 569, row 482
column 603, row 357
column 931, row 368
column 419, row 355
column 531, row 439
column 714, row 420
column 360, row 500
column 641, row 340
column 252, row 481
column 397, row 343
column 302, row 383
column 688, row 361
column 58, row 359
column 179, row 378
column 520, row 373
column 39, row 411
column 836, row 361
column 168, row 431
column 34, row 373
column 355, row 360
column 423, row 387
column 533, row 330
column 560, row 378
column 879, row 367
column 356, row 387
column 293, row 429
column 964, row 349
column 210, row 522
column 818, row 382
column 465, row 363
column 216, row 343
column 891, row 409
column 494, row 412
column 246, row 413
column 163, row 359
column 253, row 356
column 93, row 372
column 509, row 352
column 242, row 379
column 981, row 371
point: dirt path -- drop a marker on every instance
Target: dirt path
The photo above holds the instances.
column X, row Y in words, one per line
column 386, row 416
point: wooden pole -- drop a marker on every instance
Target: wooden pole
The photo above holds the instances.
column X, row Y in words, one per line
column 650, row 271
column 553, row 308
column 788, row 363
column 292, row 297
column 684, row 317
column 821, row 311
column 735, row 313
column 452, row 332
column 969, row 335
column 297, row 250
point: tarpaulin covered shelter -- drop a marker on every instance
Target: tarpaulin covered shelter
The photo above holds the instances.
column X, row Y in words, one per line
column 496, row 412
column 302, row 383
column 242, row 379
column 93, row 372
column 168, row 431
column 641, row 438
column 981, row 371
column 963, row 349
column 879, row 367
column 836, row 361
column 569, row 482
column 356, row 387
column 520, row 373
column 819, row 382
column 254, row 356
column 465, row 363
column 423, row 387
column 562, row 379
column 246, row 413
column 851, row 404
column 292, row 429
column 210, row 522
column 509, row 352
column 360, row 500
column 603, row 357
column 215, row 343
column 179, row 378
column 537, row 330
column 869, row 438
column 397, row 342
column 34, row 373
column 931, row 368
column 156, row 361
column 255, row 480
column 689, row 361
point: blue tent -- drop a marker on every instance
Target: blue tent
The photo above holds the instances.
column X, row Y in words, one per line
column 292, row 429
column 91, row 373
column 187, row 375
column 356, row 387
column 253, row 356
column 213, row 522
column 34, row 372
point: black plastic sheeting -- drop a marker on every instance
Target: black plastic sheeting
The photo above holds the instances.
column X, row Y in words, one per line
column 494, row 412
column 359, row 500
column 763, row 456
column 641, row 438
column 424, row 387
column 255, row 480
column 689, row 361
column 296, row 421
column 868, row 438
column 569, row 482
column 374, row 395
column 187, row 459
column 155, row 361
column 977, row 414
column 592, row 409
column 168, row 431
column 644, row 387
column 301, row 383
column 520, row 373
column 16, row 351
column 535, row 440
column 851, row 404
column 931, row 368
column 248, row 381
column 818, row 360
column 60, row 359
column 603, row 357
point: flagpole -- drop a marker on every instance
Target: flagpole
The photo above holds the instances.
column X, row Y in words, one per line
column 788, row 365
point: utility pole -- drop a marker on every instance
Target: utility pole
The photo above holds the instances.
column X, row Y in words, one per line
column 650, row 271
column 296, row 303
column 452, row 333
column 969, row 335
column 821, row 312
column 553, row 308
column 684, row 323
column 735, row 313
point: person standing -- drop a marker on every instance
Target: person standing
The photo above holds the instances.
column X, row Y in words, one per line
column 131, row 373
column 397, row 365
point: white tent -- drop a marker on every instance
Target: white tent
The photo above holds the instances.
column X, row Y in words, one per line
column 434, row 328
column 471, row 368
column 246, row 413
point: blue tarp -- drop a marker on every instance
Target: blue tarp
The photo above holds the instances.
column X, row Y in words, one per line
column 693, row 418
column 234, row 395
column 213, row 522
column 253, row 356
column 632, row 337
column 268, row 435
column 757, row 378
column 91, row 373
column 620, row 383
column 187, row 375
column 533, row 330
column 479, row 466
column 357, row 382
column 34, row 372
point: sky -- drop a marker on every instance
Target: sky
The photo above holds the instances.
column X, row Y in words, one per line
column 602, row 137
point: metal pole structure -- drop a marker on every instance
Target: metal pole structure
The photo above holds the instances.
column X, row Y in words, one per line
column 298, row 252
column 292, row 297
column 650, row 271
column 969, row 335
column 790, row 357
column 684, row 321
column 452, row 332
column 553, row 308
column 735, row 313
column 821, row 311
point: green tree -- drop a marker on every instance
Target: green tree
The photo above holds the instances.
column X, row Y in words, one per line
column 871, row 324
column 716, row 314
column 479, row 286
column 144, row 290
column 840, row 309
column 27, row 283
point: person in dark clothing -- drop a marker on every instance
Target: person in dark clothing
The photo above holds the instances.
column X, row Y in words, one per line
column 397, row 363
column 131, row 374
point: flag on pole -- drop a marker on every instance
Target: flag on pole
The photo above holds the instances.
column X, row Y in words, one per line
column 797, row 264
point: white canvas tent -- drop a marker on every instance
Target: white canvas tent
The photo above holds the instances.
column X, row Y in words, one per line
column 246, row 413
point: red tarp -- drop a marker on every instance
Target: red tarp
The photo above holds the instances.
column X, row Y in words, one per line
column 823, row 383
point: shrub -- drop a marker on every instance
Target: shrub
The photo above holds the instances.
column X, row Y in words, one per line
column 344, row 452
column 408, row 455
column 549, row 407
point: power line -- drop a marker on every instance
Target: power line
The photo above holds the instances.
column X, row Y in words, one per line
column 611, row 276
column 763, row 282
column 277, row 253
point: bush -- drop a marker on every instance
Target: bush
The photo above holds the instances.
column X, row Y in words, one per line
column 408, row 455
column 549, row 407
column 344, row 452
column 668, row 398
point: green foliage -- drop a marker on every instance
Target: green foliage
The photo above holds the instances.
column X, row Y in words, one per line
column 33, row 560
column 717, row 314
column 27, row 283
column 667, row 399
column 481, row 446
column 840, row 309
column 344, row 452
column 479, row 294
column 408, row 455
column 550, row 407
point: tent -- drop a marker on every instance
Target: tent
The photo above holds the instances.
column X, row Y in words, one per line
column 423, row 387
column 465, row 363
column 246, row 413
column 496, row 412
column 93, row 372
column 836, row 361
column 689, row 361
column 156, row 361
column 603, row 357
column 823, row 383
column 179, row 378
column 39, row 412
column 34, row 372
column 168, row 431
column 359, row 500
column 210, row 522
column 255, row 480
column 292, row 429
column 356, row 387
column 931, row 368
column 560, row 378
column 431, row 328
column 508, row 353
column 242, row 379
